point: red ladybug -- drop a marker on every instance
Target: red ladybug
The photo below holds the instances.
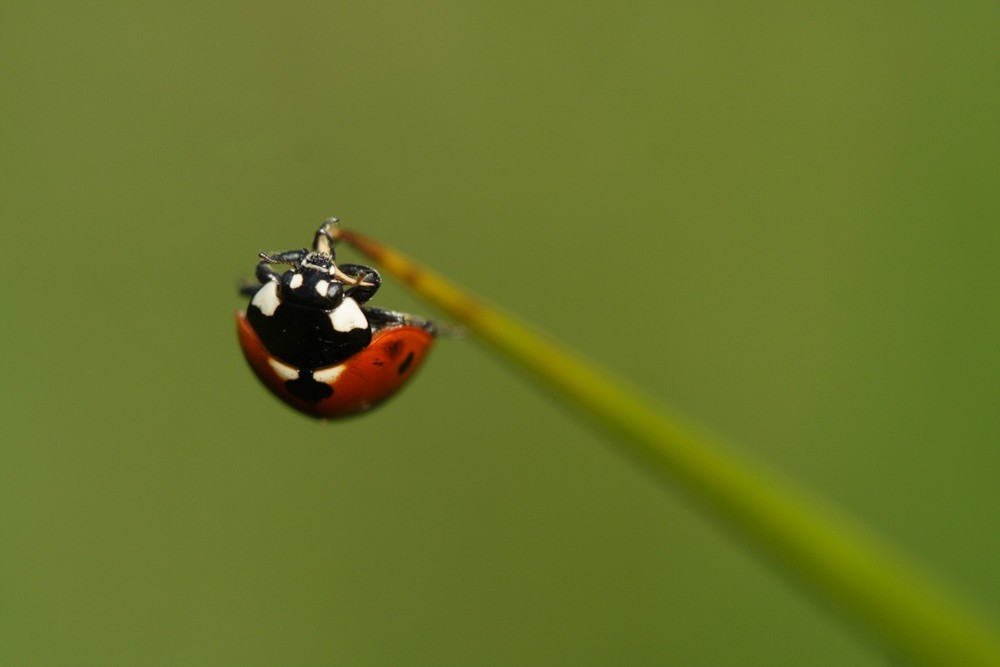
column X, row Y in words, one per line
column 312, row 342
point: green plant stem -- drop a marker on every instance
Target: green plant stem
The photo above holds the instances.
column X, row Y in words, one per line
column 883, row 593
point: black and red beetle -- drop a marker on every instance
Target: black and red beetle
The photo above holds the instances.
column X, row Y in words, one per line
column 312, row 341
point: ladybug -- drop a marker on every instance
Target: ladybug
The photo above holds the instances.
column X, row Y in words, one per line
column 309, row 337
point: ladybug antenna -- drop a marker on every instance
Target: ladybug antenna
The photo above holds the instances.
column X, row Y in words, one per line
column 292, row 257
column 350, row 280
column 323, row 241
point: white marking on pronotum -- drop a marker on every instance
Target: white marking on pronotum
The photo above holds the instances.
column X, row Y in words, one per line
column 329, row 375
column 321, row 287
column 266, row 299
column 348, row 316
column 296, row 281
column 284, row 371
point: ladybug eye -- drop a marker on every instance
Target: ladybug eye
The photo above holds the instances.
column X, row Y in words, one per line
column 327, row 291
column 334, row 292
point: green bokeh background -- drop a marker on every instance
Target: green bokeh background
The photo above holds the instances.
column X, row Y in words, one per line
column 780, row 218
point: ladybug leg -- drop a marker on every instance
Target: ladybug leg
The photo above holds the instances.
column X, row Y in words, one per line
column 265, row 274
column 323, row 241
column 366, row 281
column 248, row 289
column 381, row 318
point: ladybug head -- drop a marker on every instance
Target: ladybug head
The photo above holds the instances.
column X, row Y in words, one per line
column 313, row 282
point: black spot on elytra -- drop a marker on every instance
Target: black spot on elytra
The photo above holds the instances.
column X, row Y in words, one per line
column 406, row 363
column 394, row 348
column 308, row 389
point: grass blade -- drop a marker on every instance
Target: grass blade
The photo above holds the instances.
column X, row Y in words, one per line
column 878, row 589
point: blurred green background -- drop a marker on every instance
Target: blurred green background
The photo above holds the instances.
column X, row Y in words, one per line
column 781, row 219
